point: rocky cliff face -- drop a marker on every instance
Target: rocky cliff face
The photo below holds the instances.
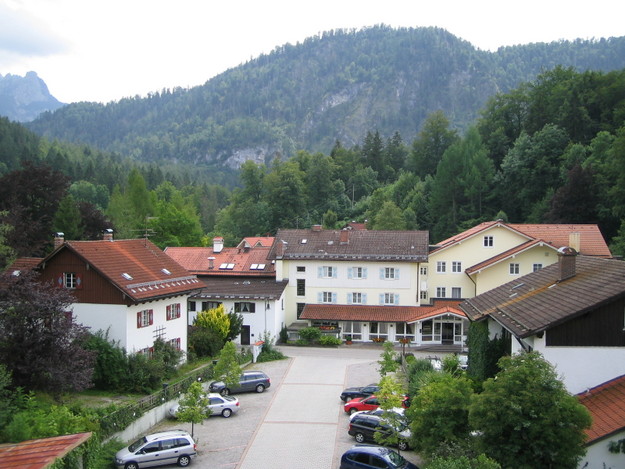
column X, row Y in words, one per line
column 22, row 99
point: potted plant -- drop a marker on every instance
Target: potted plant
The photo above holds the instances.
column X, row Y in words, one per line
column 348, row 339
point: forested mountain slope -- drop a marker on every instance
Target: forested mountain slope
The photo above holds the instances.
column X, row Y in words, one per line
column 336, row 86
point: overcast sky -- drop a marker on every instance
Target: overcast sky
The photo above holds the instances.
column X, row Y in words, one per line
column 104, row 50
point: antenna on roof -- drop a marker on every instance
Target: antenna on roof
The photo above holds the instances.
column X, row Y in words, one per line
column 147, row 232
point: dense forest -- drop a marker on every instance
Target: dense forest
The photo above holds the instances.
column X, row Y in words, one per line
column 551, row 150
column 334, row 86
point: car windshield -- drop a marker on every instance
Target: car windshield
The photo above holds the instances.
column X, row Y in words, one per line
column 135, row 446
column 229, row 398
column 396, row 459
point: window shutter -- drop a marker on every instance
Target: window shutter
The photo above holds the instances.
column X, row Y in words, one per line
column 178, row 343
column 78, row 282
column 59, row 281
column 381, row 298
column 364, row 298
column 381, row 273
column 350, row 273
column 396, row 274
column 178, row 311
column 168, row 314
column 396, row 298
column 349, row 298
column 334, row 298
column 364, row 272
column 151, row 317
column 319, row 272
column 335, row 272
column 139, row 319
column 319, row 297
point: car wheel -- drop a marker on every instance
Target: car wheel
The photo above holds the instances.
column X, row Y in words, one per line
column 226, row 413
column 402, row 445
column 131, row 465
column 225, row 392
column 360, row 438
column 353, row 410
column 184, row 461
column 260, row 388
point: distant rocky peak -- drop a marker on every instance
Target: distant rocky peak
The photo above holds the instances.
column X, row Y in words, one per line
column 22, row 99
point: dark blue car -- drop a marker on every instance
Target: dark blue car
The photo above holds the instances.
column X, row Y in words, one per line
column 374, row 457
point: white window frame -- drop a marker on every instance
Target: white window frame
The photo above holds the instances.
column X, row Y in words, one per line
column 390, row 273
column 173, row 311
column 441, row 267
column 356, row 298
column 489, row 241
column 456, row 292
column 145, row 318
column 514, row 268
column 536, row 267
column 329, row 271
column 456, row 267
column 441, row 292
column 358, row 272
column 389, row 298
column 423, row 270
column 326, row 297
column 70, row 280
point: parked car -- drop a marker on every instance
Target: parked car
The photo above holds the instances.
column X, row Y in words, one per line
column 249, row 381
column 373, row 457
column 217, row 404
column 379, row 412
column 360, row 391
column 363, row 427
column 158, row 449
column 366, row 403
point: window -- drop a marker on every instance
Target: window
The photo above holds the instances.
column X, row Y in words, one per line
column 69, row 280
column 536, row 267
column 424, row 295
column 206, row 305
column 191, row 306
column 441, row 292
column 145, row 318
column 358, row 272
column 300, row 309
column 175, row 343
column 173, row 311
column 456, row 267
column 441, row 267
column 488, row 242
column 390, row 273
column 390, row 298
column 514, row 268
column 301, row 268
column 328, row 272
column 301, row 287
column 423, row 270
column 326, row 297
column 356, row 298
column 456, row 292
column 244, row 307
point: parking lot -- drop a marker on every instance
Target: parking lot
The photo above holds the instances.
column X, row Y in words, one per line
column 297, row 422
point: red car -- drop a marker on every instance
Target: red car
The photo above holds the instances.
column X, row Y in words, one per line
column 366, row 403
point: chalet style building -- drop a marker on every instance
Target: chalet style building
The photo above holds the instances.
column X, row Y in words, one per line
column 129, row 288
column 242, row 279
column 571, row 312
column 362, row 285
column 492, row 253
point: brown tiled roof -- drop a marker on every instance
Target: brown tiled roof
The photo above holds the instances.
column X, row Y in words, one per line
column 606, row 404
column 379, row 313
column 23, row 264
column 505, row 255
column 241, row 288
column 135, row 266
column 363, row 245
column 39, row 454
column 539, row 300
column 232, row 262
column 591, row 240
column 257, row 241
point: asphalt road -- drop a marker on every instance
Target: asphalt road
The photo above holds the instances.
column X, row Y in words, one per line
column 297, row 422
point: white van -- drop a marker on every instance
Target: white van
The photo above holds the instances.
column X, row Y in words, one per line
column 157, row 449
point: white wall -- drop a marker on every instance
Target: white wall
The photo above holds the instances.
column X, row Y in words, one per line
column 598, row 456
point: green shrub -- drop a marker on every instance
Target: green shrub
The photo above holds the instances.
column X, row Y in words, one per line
column 204, row 343
column 329, row 340
column 310, row 334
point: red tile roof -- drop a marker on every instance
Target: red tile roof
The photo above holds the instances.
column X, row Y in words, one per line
column 606, row 404
column 379, row 313
column 591, row 240
column 506, row 254
column 229, row 262
column 135, row 266
column 39, row 454
column 23, row 264
column 256, row 241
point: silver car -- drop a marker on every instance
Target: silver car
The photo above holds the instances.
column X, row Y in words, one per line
column 158, row 449
column 218, row 405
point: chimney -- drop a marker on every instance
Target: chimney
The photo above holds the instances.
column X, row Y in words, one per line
column 575, row 241
column 344, row 237
column 316, row 227
column 59, row 239
column 107, row 235
column 211, row 262
column 218, row 244
column 566, row 261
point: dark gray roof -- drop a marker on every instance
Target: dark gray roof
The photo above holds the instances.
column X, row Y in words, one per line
column 539, row 301
column 241, row 288
column 347, row 245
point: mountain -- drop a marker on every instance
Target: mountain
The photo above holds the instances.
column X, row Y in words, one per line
column 332, row 87
column 23, row 98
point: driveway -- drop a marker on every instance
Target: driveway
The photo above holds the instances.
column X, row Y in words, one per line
column 298, row 421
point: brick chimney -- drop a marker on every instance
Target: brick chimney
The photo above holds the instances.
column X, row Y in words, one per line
column 107, row 235
column 211, row 262
column 566, row 261
column 344, row 237
column 316, row 227
column 575, row 241
column 59, row 239
column 218, row 244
